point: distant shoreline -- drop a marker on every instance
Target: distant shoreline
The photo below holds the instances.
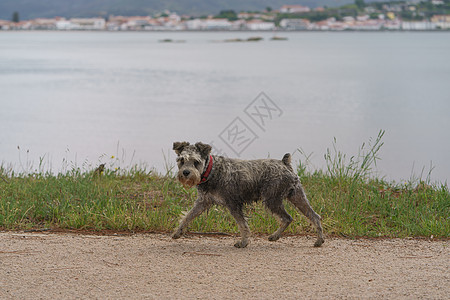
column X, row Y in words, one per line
column 246, row 31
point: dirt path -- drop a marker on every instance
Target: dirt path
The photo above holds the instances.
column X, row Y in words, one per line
column 68, row 266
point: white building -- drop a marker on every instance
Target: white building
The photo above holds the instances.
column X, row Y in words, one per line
column 208, row 24
column 418, row 26
column 363, row 18
column 137, row 22
column 368, row 25
column 63, row 25
column 217, row 24
column 87, row 23
column 292, row 9
column 294, row 24
column 260, row 25
column 238, row 24
column 195, row 24
column 348, row 19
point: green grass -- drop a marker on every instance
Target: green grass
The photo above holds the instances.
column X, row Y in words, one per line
column 350, row 200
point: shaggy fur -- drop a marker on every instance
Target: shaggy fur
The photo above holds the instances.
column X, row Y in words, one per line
column 234, row 183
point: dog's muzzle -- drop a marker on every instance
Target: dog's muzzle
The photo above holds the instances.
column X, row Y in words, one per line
column 188, row 178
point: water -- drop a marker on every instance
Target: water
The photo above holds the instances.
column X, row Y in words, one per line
column 83, row 97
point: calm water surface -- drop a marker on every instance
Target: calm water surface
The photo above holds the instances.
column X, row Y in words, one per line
column 82, row 97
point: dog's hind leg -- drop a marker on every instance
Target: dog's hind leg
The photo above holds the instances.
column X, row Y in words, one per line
column 199, row 206
column 298, row 198
column 277, row 209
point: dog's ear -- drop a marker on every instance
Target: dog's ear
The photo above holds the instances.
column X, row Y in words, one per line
column 204, row 149
column 179, row 146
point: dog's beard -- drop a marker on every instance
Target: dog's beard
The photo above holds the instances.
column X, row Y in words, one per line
column 189, row 181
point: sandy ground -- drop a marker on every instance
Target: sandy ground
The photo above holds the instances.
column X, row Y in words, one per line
column 153, row 266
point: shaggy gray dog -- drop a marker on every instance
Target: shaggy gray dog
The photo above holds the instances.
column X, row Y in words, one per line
column 234, row 183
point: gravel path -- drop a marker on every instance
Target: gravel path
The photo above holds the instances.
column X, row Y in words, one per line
column 153, row 266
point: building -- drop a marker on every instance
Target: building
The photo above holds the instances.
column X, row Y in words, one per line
column 81, row 24
column 293, row 9
column 392, row 25
column 4, row 24
column 249, row 15
column 441, row 21
column 63, row 24
column 44, row 24
column 260, row 25
column 418, row 26
column 369, row 24
column 294, row 24
column 195, row 24
column 217, row 24
column 208, row 24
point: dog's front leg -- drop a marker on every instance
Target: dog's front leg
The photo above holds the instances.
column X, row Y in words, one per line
column 238, row 215
column 199, row 206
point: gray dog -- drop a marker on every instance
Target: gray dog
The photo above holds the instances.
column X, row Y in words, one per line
column 234, row 183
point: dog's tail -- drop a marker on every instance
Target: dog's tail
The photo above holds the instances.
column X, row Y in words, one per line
column 287, row 160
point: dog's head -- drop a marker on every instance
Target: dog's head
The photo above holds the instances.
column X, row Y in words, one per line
column 191, row 161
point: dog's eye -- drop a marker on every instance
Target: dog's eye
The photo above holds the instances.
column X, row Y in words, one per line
column 196, row 163
column 181, row 160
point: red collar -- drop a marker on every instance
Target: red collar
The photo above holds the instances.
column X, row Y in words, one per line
column 208, row 170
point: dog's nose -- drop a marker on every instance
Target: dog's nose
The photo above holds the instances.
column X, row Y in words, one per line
column 186, row 172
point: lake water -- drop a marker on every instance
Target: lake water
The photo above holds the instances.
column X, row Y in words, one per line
column 79, row 98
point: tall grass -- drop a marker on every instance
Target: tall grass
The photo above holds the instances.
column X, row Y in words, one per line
column 350, row 198
column 357, row 168
column 354, row 202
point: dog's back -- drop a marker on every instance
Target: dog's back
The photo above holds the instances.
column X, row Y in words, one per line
column 247, row 181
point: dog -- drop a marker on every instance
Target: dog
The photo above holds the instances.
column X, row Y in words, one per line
column 233, row 183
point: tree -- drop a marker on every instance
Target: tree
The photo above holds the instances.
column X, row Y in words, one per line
column 268, row 9
column 360, row 4
column 15, row 17
column 227, row 14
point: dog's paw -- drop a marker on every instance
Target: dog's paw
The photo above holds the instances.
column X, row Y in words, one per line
column 274, row 237
column 319, row 242
column 241, row 244
column 177, row 234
